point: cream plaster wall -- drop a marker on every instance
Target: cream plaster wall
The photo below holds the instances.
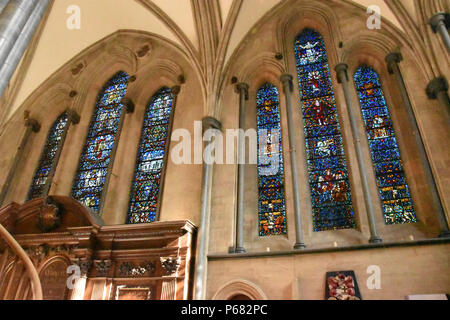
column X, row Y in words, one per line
column 180, row 11
column 99, row 18
column 225, row 6
column 250, row 13
column 404, row 271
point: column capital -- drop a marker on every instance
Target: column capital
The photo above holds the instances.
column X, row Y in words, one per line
column 128, row 103
column 175, row 90
column 33, row 123
column 435, row 86
column 211, row 123
column 286, row 80
column 393, row 58
column 242, row 88
column 341, row 71
column 84, row 263
column 73, row 116
column 438, row 19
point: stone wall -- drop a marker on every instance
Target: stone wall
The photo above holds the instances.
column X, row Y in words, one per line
column 404, row 271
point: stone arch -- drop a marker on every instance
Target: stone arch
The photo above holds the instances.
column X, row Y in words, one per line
column 318, row 16
column 368, row 44
column 262, row 66
column 239, row 288
column 158, row 72
column 151, row 58
column 290, row 17
column 54, row 285
column 96, row 64
column 367, row 49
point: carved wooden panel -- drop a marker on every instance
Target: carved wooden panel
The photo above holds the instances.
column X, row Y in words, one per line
column 53, row 280
column 131, row 257
column 130, row 293
column 9, row 284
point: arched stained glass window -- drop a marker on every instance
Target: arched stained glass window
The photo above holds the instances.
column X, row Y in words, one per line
column 103, row 132
column 271, row 203
column 394, row 191
column 48, row 158
column 147, row 187
column 328, row 175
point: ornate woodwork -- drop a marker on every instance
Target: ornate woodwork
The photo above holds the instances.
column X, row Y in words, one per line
column 141, row 261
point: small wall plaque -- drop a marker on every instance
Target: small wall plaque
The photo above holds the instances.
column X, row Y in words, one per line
column 341, row 285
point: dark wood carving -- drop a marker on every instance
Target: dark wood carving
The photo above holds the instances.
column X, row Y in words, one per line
column 84, row 264
column 49, row 215
column 102, row 267
column 130, row 257
column 170, row 265
column 128, row 269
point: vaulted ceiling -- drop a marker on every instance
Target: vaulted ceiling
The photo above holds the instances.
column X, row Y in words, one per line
column 179, row 21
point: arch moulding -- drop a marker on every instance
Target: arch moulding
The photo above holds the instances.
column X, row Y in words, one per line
column 239, row 287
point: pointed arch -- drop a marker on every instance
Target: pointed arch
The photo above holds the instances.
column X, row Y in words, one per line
column 104, row 128
column 328, row 174
column 53, row 144
column 147, row 185
column 239, row 287
column 271, row 200
column 393, row 188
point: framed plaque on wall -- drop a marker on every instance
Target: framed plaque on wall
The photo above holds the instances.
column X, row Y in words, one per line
column 341, row 285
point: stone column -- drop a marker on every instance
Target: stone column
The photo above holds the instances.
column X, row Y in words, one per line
column 72, row 118
column 203, row 230
column 440, row 22
column 12, row 20
column 14, row 53
column 341, row 71
column 392, row 60
column 438, row 89
column 3, row 4
column 128, row 107
column 286, row 80
column 31, row 126
column 242, row 90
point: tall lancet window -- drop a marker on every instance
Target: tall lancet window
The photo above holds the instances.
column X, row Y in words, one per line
column 271, row 203
column 53, row 144
column 394, row 191
column 146, row 188
column 102, row 135
column 328, row 175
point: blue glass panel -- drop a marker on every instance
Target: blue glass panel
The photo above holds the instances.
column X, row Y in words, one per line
column 393, row 188
column 145, row 189
column 330, row 188
column 101, row 138
column 47, row 159
column 271, row 203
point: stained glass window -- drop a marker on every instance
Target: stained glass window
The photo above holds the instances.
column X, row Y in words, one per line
column 328, row 175
column 47, row 160
column 271, row 203
column 145, row 189
column 393, row 188
column 103, row 131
